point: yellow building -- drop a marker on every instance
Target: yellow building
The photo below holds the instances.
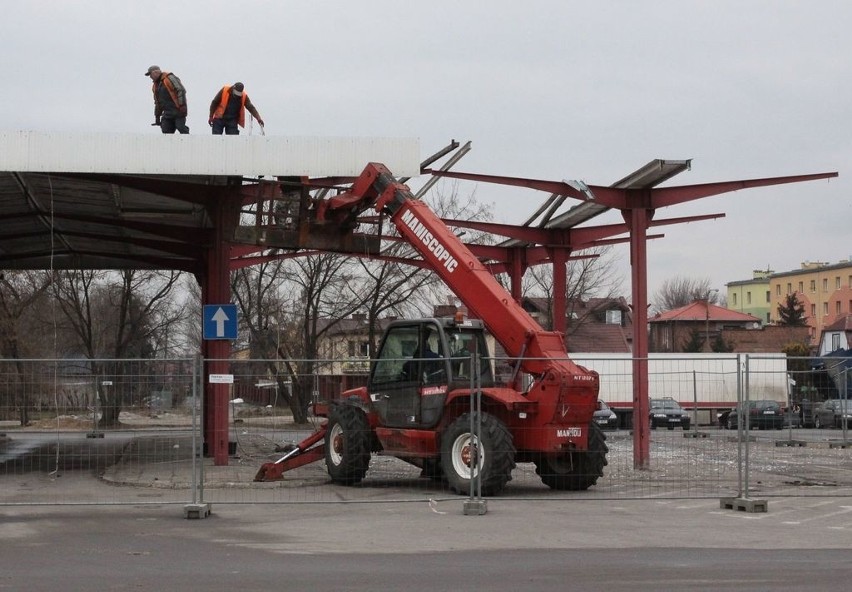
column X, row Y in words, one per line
column 825, row 289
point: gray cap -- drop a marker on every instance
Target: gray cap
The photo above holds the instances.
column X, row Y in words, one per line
column 151, row 69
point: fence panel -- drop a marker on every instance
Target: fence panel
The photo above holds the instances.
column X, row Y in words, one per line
column 77, row 431
column 124, row 431
column 789, row 456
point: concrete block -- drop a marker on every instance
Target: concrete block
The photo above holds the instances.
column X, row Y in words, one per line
column 790, row 443
column 475, row 507
column 744, row 504
column 196, row 511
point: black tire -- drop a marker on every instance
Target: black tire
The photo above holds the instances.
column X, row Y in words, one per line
column 817, row 423
column 496, row 458
column 347, row 444
column 730, row 424
column 575, row 471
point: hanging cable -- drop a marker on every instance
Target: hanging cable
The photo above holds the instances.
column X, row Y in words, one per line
column 55, row 472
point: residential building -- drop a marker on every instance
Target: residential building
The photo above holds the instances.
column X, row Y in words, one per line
column 596, row 325
column 671, row 331
column 824, row 289
column 753, row 296
column 837, row 335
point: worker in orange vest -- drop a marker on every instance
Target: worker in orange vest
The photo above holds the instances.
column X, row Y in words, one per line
column 228, row 110
column 169, row 101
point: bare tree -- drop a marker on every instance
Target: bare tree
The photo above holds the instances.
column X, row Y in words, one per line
column 680, row 291
column 389, row 288
column 22, row 294
column 594, row 276
column 301, row 300
column 116, row 316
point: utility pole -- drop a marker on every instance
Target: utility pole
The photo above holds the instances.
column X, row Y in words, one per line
column 707, row 346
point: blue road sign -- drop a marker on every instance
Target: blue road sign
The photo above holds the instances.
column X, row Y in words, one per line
column 220, row 321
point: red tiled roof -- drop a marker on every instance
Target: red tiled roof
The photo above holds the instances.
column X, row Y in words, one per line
column 701, row 310
column 598, row 338
column 843, row 323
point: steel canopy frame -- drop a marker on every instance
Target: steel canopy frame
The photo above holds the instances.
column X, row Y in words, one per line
column 637, row 199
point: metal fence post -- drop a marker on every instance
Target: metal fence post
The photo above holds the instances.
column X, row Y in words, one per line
column 743, row 502
column 740, row 406
column 744, row 412
column 197, row 508
column 475, row 505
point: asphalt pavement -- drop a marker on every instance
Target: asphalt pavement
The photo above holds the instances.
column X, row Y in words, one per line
column 393, row 539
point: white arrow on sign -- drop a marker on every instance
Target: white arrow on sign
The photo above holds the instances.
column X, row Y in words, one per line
column 220, row 318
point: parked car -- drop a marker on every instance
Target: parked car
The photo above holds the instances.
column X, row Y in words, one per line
column 605, row 417
column 830, row 414
column 760, row 415
column 666, row 412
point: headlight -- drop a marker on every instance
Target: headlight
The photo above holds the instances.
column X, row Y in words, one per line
column 612, row 416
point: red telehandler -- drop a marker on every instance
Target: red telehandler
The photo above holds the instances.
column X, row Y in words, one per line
column 419, row 409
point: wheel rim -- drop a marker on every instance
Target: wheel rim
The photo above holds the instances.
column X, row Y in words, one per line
column 335, row 448
column 463, row 449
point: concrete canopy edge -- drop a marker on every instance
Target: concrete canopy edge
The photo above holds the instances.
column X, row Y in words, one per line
column 244, row 155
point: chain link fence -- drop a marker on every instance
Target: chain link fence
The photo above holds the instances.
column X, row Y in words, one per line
column 129, row 432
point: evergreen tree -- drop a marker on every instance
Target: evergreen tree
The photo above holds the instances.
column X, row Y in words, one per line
column 791, row 312
column 720, row 346
column 695, row 343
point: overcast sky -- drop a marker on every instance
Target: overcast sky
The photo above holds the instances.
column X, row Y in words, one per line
column 552, row 90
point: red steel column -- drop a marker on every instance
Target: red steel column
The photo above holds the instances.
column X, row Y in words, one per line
column 560, row 287
column 217, row 290
column 516, row 274
column 639, row 220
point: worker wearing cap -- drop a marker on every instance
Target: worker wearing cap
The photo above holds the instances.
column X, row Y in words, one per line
column 228, row 110
column 169, row 101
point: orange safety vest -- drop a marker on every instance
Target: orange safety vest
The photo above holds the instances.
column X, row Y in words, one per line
column 164, row 78
column 220, row 110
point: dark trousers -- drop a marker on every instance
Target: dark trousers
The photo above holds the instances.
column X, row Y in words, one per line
column 229, row 126
column 170, row 124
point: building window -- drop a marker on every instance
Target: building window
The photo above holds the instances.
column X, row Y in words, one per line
column 813, row 285
column 825, row 309
column 801, row 287
column 768, row 296
column 358, row 348
column 748, row 297
column 850, row 281
column 734, row 298
column 835, row 341
column 778, row 290
column 767, row 318
column 789, row 288
column 837, row 307
column 813, row 310
column 613, row 317
column 825, row 284
column 837, row 283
